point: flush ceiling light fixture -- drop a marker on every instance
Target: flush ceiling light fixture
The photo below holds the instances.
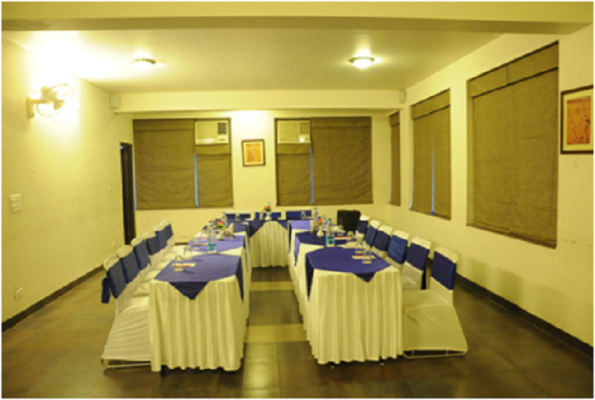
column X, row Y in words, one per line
column 144, row 63
column 51, row 101
column 362, row 62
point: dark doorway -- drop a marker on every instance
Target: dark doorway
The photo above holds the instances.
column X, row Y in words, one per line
column 127, row 192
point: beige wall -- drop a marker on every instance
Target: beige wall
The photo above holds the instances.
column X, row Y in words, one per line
column 255, row 186
column 62, row 167
column 553, row 284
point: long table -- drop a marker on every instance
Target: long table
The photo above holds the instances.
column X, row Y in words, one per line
column 197, row 316
column 351, row 310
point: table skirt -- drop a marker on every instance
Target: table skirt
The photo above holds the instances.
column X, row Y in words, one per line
column 268, row 246
column 207, row 332
column 351, row 320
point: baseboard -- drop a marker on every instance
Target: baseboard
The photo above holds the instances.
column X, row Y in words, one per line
column 573, row 342
column 9, row 323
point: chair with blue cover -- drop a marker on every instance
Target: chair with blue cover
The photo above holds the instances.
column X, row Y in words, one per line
column 297, row 214
column 275, row 215
column 155, row 252
column 165, row 245
column 362, row 227
column 397, row 248
column 131, row 269
column 431, row 327
column 128, row 343
column 243, row 215
column 371, row 234
column 414, row 268
column 381, row 241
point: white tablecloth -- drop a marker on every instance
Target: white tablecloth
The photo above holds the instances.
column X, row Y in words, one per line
column 206, row 332
column 346, row 318
column 349, row 319
column 268, row 246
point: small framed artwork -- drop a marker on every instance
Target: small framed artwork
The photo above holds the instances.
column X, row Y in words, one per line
column 576, row 114
column 253, row 152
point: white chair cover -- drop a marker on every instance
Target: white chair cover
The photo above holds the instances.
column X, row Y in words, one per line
column 431, row 325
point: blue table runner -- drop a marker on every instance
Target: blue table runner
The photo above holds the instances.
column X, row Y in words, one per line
column 311, row 238
column 222, row 244
column 210, row 267
column 338, row 259
column 298, row 224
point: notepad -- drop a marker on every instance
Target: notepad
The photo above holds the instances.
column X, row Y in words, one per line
column 362, row 257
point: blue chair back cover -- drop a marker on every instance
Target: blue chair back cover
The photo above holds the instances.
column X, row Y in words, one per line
column 142, row 255
column 131, row 269
column 417, row 256
column 397, row 249
column 370, row 235
column 232, row 216
column 169, row 232
column 444, row 270
column 381, row 240
column 153, row 245
column 292, row 215
column 274, row 215
column 116, row 279
column 161, row 238
column 361, row 226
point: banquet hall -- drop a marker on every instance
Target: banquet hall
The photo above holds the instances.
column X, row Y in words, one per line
column 459, row 132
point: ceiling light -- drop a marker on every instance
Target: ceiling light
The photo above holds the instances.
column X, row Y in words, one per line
column 143, row 63
column 362, row 62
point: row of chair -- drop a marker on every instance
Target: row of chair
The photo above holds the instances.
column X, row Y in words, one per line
column 128, row 273
column 431, row 325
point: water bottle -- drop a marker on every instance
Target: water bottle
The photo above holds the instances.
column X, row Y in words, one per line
column 330, row 234
column 315, row 213
column 212, row 242
column 303, row 215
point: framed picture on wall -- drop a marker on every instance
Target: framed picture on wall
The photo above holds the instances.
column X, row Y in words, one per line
column 576, row 114
column 253, row 152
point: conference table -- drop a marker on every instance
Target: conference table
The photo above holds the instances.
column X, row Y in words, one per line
column 198, row 313
column 351, row 310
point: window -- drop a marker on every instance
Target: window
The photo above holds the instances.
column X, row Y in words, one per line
column 172, row 172
column 431, row 156
column 336, row 168
column 395, row 146
column 513, row 181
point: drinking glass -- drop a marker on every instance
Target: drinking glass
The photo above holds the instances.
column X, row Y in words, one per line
column 187, row 253
column 367, row 255
column 359, row 247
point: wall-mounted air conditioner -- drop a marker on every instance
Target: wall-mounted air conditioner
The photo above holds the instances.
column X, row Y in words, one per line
column 293, row 131
column 211, row 132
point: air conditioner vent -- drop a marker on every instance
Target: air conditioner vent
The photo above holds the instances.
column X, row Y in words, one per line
column 211, row 132
column 293, row 131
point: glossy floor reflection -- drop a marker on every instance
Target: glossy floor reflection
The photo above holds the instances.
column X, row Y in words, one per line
column 56, row 352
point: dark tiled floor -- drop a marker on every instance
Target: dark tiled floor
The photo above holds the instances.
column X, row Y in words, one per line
column 56, row 353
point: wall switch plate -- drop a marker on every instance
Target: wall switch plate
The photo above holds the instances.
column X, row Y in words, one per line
column 15, row 203
column 18, row 294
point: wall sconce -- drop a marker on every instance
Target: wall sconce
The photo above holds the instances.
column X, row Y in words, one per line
column 51, row 102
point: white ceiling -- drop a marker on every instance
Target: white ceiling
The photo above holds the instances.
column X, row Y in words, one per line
column 268, row 55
